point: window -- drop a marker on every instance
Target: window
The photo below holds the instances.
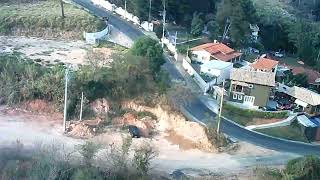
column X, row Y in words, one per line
column 250, row 86
column 239, row 97
column 238, row 88
column 235, row 96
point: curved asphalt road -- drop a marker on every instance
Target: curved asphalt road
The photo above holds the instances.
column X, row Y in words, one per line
column 197, row 108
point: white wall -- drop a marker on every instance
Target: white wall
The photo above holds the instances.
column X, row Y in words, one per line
column 202, row 84
column 200, row 56
column 93, row 38
column 120, row 11
column 221, row 74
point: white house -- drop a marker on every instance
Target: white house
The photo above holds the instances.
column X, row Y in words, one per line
column 215, row 51
column 217, row 69
column 254, row 31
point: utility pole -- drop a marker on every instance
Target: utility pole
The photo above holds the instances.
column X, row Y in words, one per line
column 226, row 29
column 220, row 109
column 125, row 9
column 81, row 106
column 164, row 21
column 175, row 39
column 318, row 56
column 62, row 9
column 65, row 99
column 150, row 5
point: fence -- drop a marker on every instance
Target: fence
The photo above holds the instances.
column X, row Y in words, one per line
column 198, row 79
column 122, row 12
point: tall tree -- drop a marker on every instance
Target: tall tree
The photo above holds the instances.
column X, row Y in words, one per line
column 302, row 35
column 151, row 49
column 197, row 24
column 238, row 13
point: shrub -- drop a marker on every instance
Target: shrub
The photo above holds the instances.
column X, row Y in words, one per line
column 254, row 114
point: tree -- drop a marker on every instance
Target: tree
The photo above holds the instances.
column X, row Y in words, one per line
column 142, row 158
column 233, row 12
column 213, row 28
column 141, row 9
column 197, row 24
column 302, row 34
column 307, row 167
column 151, row 49
column 296, row 80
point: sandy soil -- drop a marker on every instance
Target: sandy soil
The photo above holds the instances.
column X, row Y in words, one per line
column 49, row 51
column 30, row 129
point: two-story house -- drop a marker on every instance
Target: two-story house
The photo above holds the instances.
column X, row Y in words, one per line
column 251, row 88
column 215, row 51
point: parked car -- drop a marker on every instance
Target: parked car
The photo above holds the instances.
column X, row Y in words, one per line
column 134, row 131
column 284, row 104
column 278, row 54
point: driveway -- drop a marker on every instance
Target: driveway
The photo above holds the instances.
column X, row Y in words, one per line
column 198, row 109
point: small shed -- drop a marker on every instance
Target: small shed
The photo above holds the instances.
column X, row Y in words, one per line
column 311, row 127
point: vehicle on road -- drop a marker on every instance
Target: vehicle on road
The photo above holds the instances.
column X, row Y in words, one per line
column 134, row 131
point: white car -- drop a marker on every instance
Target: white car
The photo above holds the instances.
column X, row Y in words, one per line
column 278, row 54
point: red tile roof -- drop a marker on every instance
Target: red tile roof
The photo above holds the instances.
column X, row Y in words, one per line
column 311, row 74
column 264, row 63
column 219, row 51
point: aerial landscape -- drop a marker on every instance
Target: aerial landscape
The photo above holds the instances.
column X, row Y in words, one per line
column 159, row 89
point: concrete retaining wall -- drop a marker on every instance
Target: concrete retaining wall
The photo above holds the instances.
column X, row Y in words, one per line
column 93, row 38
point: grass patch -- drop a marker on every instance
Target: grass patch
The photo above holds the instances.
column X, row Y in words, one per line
column 245, row 116
column 36, row 17
column 291, row 132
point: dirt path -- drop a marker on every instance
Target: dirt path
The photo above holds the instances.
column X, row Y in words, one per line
column 31, row 129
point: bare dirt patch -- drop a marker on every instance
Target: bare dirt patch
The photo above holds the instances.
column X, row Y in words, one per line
column 50, row 51
column 182, row 142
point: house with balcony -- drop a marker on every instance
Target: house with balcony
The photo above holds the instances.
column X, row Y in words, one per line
column 251, row 88
column 214, row 51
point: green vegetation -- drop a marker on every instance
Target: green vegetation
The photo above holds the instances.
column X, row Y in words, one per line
column 291, row 132
column 43, row 18
column 300, row 80
column 238, row 14
column 307, row 167
column 129, row 77
column 152, row 50
column 245, row 116
column 197, row 24
column 53, row 162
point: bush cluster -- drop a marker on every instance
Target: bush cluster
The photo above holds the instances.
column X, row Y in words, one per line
column 254, row 114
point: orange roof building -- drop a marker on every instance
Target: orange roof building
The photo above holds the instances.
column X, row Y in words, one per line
column 264, row 64
column 217, row 51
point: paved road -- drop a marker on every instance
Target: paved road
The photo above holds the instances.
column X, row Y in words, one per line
column 197, row 108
